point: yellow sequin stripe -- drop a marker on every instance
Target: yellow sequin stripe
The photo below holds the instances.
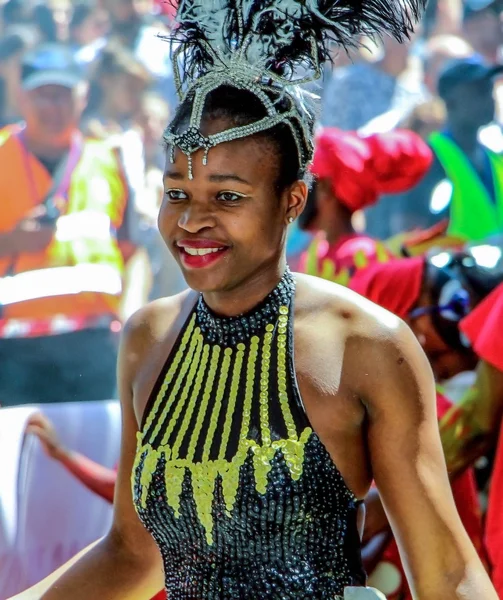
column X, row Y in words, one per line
column 250, row 383
column 178, row 382
column 233, row 394
column 192, row 374
column 282, row 374
column 200, row 370
column 222, row 381
column 169, row 375
column 264, row 386
column 208, row 389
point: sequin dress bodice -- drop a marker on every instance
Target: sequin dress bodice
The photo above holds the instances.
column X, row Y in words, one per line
column 239, row 493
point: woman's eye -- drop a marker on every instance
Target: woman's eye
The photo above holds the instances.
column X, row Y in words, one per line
column 230, row 197
column 175, row 195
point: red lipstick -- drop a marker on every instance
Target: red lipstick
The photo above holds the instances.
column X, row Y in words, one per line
column 200, row 253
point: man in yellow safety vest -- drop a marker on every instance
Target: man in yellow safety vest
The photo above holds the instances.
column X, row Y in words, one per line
column 65, row 241
column 465, row 181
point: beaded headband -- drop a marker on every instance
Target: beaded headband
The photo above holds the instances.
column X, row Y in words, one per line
column 270, row 48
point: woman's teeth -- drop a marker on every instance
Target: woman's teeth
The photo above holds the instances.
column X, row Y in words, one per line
column 202, row 251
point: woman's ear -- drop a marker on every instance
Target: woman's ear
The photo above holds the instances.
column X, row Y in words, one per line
column 296, row 197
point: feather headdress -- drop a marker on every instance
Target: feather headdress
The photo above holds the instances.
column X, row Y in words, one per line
column 270, row 48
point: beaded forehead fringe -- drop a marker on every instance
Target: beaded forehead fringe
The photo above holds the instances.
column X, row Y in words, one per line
column 260, row 46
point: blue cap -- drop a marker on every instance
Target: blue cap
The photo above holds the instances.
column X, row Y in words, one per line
column 50, row 64
column 465, row 70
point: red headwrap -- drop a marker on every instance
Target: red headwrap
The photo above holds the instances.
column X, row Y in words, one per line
column 363, row 168
column 394, row 285
column 483, row 327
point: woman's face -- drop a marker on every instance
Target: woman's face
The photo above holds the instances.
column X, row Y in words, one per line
column 227, row 225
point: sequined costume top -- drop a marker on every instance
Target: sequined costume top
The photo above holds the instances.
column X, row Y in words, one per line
column 241, row 496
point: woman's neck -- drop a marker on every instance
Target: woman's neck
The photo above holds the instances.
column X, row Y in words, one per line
column 246, row 294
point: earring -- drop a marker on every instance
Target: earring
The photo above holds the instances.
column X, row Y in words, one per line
column 291, row 219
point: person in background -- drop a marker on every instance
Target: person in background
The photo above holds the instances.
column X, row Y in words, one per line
column 12, row 47
column 14, row 12
column 46, row 25
column 126, row 21
column 347, row 89
column 351, row 173
column 98, row 479
column 484, row 406
column 438, row 51
column 482, row 28
column 119, row 82
column 465, row 178
column 66, row 243
column 87, row 29
column 451, row 303
column 391, row 217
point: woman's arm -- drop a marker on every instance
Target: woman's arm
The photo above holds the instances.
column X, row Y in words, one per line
column 126, row 563
column 35, row 592
column 410, row 473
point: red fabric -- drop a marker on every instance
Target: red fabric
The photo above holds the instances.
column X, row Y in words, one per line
column 464, row 490
column 361, row 169
column 494, row 520
column 394, row 285
column 484, row 326
column 167, row 7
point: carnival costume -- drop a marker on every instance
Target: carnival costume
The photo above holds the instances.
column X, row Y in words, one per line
column 240, row 494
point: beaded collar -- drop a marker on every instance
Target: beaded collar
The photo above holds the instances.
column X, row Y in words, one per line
column 230, row 331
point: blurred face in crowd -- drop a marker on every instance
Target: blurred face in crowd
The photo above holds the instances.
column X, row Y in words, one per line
column 92, row 28
column 152, row 117
column 440, row 50
column 123, row 94
column 484, row 32
column 121, row 11
column 471, row 104
column 52, row 112
column 445, row 360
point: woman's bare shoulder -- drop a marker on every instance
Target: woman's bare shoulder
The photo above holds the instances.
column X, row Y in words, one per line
column 334, row 302
column 149, row 326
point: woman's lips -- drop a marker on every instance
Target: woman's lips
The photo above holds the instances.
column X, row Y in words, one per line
column 199, row 257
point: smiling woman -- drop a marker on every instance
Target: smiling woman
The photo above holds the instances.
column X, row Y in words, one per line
column 227, row 215
column 243, row 467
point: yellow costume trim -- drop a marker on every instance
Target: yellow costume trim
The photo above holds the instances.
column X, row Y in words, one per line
column 190, row 395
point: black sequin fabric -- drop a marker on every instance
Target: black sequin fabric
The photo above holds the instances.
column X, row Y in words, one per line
column 239, row 493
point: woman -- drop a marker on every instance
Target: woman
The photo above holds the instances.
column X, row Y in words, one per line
column 227, row 476
column 351, row 173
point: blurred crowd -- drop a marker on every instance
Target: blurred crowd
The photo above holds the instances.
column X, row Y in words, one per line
column 73, row 74
column 408, row 166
